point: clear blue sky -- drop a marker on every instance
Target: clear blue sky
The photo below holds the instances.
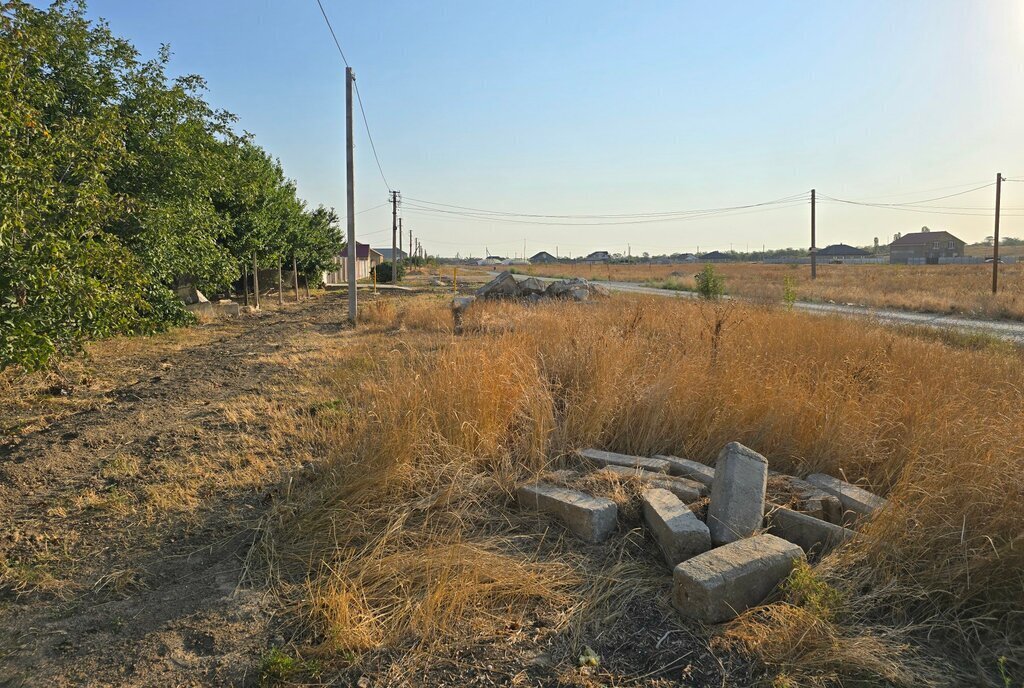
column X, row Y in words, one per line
column 618, row 107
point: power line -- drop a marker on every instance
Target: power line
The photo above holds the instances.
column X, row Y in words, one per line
column 333, row 35
column 359, row 98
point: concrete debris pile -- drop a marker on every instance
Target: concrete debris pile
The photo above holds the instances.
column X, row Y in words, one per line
column 510, row 286
column 757, row 524
column 196, row 302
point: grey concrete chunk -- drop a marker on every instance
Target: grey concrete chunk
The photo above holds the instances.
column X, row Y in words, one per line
column 676, row 529
column 812, row 534
column 607, row 458
column 590, row 518
column 720, row 584
column 694, row 470
column 737, row 494
column 801, row 495
column 853, row 498
column 686, row 490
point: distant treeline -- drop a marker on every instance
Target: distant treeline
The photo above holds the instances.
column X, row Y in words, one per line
column 116, row 181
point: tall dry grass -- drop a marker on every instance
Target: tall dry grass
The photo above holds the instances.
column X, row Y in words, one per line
column 406, row 537
column 963, row 289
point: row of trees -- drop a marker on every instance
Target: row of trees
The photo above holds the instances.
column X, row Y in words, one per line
column 116, row 181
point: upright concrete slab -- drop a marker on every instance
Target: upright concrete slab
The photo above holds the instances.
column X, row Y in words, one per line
column 676, row 529
column 812, row 534
column 720, row 584
column 590, row 518
column 853, row 498
column 801, row 495
column 692, row 470
column 607, row 458
column 686, row 490
column 737, row 494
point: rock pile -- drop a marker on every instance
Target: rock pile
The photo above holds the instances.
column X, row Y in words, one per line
column 510, row 286
column 758, row 523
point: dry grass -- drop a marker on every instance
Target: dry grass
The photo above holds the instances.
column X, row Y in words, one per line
column 405, row 536
column 963, row 289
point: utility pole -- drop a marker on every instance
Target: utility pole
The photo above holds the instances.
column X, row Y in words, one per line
column 995, row 236
column 814, row 251
column 295, row 276
column 400, row 234
column 394, row 236
column 410, row 244
column 353, row 252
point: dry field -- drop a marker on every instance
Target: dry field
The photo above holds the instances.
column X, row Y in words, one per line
column 358, row 485
column 961, row 289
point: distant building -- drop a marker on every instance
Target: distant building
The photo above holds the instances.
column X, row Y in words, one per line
column 542, row 257
column 837, row 253
column 366, row 259
column 598, row 257
column 385, row 254
column 925, row 248
column 716, row 257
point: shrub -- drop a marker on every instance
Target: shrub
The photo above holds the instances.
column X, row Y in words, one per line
column 710, row 284
column 382, row 271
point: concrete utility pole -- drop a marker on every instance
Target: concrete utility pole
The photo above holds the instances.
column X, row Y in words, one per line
column 814, row 251
column 399, row 235
column 353, row 251
column 394, row 236
column 995, row 236
column 410, row 244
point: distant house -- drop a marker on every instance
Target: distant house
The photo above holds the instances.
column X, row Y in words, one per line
column 598, row 257
column 542, row 257
column 716, row 257
column 837, row 253
column 385, row 254
column 366, row 258
column 925, row 248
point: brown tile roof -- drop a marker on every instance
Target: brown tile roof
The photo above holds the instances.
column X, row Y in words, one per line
column 923, row 238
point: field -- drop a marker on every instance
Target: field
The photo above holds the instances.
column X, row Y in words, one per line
column 961, row 289
column 286, row 500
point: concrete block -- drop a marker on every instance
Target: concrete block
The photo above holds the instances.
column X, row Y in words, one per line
column 686, row 490
column 676, row 529
column 590, row 518
column 693, row 470
column 801, row 495
column 606, row 458
column 737, row 494
column 853, row 498
column 812, row 534
column 720, row 584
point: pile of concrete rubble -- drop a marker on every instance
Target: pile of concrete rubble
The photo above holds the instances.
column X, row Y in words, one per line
column 758, row 523
column 511, row 286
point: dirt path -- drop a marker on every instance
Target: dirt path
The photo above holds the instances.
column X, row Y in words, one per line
column 127, row 500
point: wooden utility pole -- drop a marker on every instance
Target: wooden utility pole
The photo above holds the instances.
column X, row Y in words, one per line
column 295, row 277
column 353, row 250
column 995, row 236
column 255, row 281
column 394, row 236
column 280, row 284
column 814, row 250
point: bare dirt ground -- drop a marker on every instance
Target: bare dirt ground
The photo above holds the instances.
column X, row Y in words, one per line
column 128, row 492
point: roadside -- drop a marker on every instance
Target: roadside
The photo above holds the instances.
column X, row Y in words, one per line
column 1003, row 329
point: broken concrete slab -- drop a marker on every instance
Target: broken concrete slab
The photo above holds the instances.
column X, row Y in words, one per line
column 694, row 470
column 676, row 529
column 504, row 286
column 812, row 534
column 607, row 458
column 221, row 309
column 590, row 518
column 686, row 490
column 800, row 495
column 737, row 494
column 853, row 498
column 720, row 584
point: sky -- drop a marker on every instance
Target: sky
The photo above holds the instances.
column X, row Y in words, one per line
column 622, row 108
